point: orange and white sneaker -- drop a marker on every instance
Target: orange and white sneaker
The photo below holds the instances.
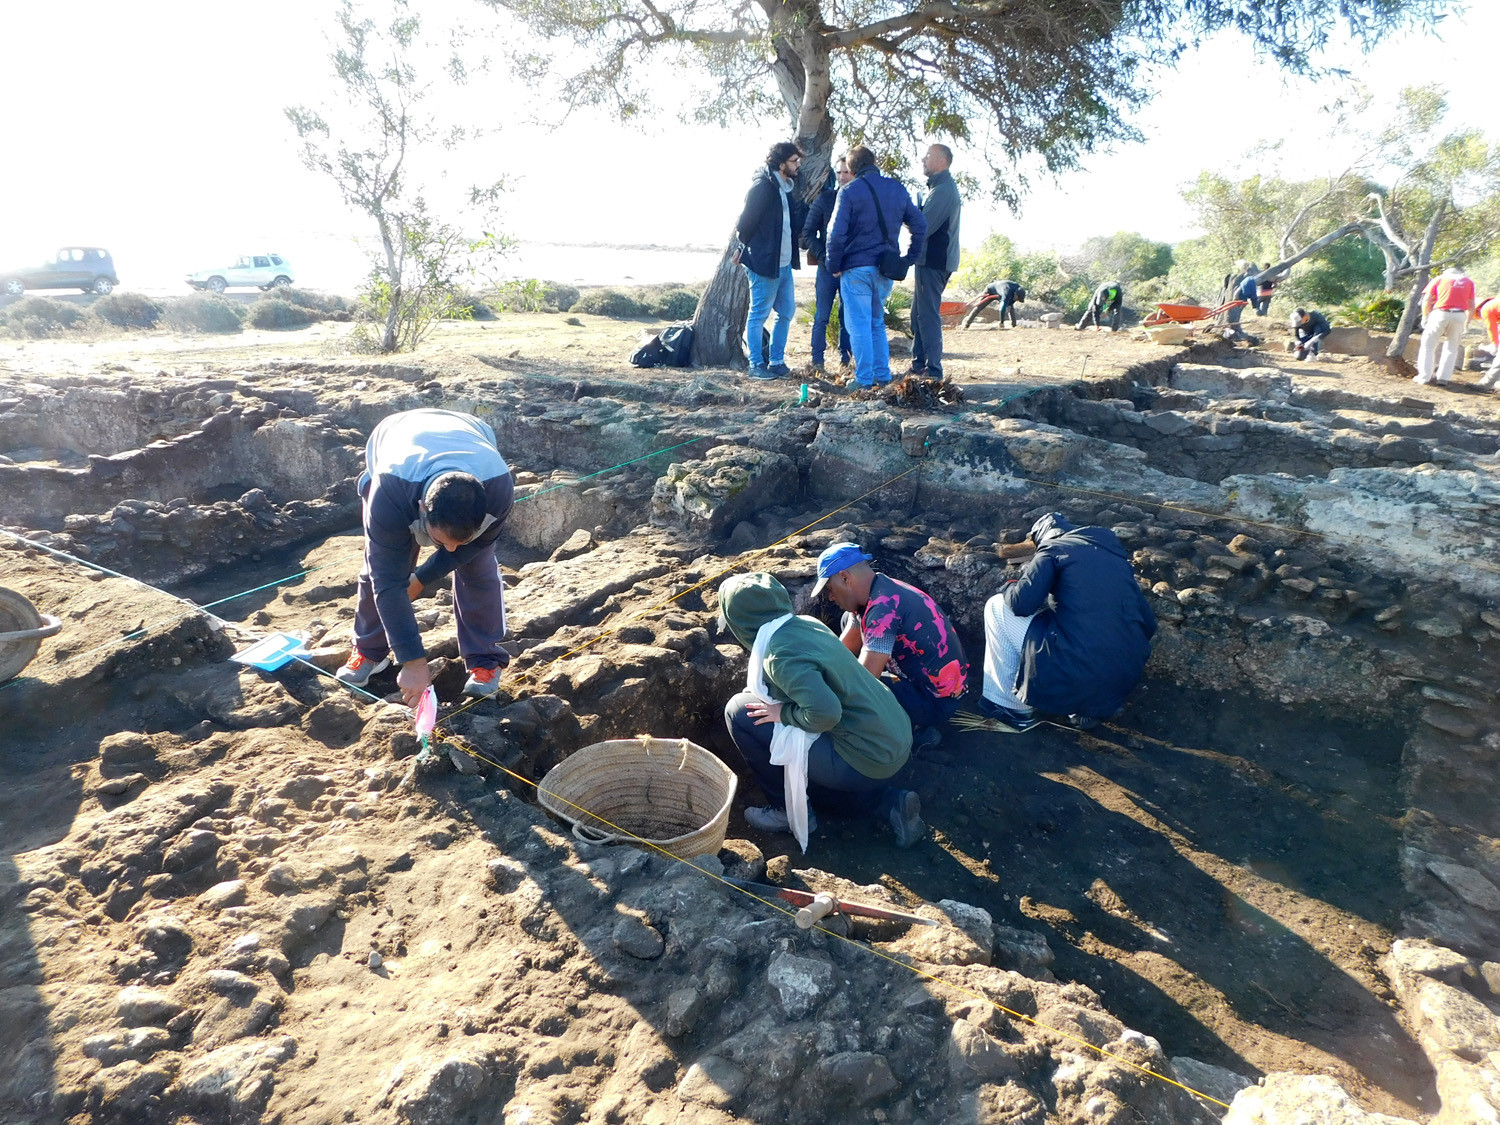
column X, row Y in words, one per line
column 360, row 668
column 483, row 682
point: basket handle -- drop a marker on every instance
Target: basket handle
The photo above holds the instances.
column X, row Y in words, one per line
column 648, row 743
column 594, row 835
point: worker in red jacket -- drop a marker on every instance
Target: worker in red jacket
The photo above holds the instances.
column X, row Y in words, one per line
column 1446, row 308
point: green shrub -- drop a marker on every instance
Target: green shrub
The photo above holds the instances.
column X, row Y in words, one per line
column 556, row 295
column 467, row 306
column 273, row 312
column 127, row 310
column 897, row 303
column 675, row 304
column 521, row 295
column 609, row 302
column 328, row 306
column 995, row 260
column 42, row 316
column 204, row 312
column 1382, row 312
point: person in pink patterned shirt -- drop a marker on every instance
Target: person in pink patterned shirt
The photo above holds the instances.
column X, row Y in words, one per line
column 901, row 635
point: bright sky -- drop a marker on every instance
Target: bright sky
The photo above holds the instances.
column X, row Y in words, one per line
column 156, row 129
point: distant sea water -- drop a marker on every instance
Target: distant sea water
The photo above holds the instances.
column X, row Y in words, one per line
column 336, row 265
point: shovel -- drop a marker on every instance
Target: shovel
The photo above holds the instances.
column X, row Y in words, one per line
column 815, row 907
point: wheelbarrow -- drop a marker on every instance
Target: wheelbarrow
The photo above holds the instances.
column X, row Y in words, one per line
column 22, row 629
column 1187, row 314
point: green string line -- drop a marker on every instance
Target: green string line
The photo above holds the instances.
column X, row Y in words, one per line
column 286, row 578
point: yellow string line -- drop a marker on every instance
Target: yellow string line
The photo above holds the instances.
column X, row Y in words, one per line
column 462, row 745
column 739, row 561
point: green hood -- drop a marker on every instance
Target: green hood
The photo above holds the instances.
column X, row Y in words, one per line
column 748, row 601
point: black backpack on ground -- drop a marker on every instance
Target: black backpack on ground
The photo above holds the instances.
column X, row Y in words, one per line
column 671, row 347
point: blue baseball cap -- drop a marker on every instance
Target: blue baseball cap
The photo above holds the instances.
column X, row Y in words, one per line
column 835, row 560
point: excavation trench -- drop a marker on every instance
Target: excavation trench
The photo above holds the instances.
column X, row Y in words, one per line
column 1225, row 863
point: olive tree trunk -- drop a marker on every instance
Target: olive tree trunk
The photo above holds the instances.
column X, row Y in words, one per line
column 719, row 320
column 805, row 77
column 1419, row 285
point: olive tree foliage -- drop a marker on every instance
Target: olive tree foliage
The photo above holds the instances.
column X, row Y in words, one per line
column 1015, row 80
column 369, row 141
column 1051, row 78
column 1419, row 197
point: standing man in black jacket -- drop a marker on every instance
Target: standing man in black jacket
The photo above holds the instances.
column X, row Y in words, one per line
column 767, row 232
column 1072, row 635
column 815, row 242
column 940, row 207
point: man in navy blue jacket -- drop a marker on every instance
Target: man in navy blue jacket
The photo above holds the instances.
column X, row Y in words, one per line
column 767, row 232
column 433, row 478
column 867, row 222
column 1072, row 635
column 815, row 242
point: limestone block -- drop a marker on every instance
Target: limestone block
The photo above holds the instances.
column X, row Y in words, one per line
column 1170, row 335
column 1456, row 1022
column 801, row 983
column 1232, row 382
column 1468, row 884
column 1302, row 1099
column 1215, row 1081
column 965, row 937
column 712, row 1081
column 729, row 485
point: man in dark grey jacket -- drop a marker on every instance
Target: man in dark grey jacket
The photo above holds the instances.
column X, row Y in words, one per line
column 433, row 478
column 940, row 207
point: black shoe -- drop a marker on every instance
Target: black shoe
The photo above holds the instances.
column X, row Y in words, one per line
column 1012, row 722
column 845, row 359
column 1083, row 722
column 926, row 738
column 915, row 370
column 779, row 370
column 762, row 373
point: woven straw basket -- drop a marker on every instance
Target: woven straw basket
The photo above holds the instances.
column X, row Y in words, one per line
column 669, row 792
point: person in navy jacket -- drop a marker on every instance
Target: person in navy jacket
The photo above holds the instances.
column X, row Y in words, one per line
column 1072, row 635
column 867, row 222
column 815, row 242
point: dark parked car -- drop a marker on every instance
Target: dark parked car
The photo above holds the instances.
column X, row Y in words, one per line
column 73, row 267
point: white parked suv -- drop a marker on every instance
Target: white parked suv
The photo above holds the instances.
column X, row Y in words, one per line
column 264, row 271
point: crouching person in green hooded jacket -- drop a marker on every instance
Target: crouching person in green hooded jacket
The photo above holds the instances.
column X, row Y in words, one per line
column 814, row 727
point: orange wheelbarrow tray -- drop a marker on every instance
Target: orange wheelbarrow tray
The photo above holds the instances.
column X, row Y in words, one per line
column 1187, row 314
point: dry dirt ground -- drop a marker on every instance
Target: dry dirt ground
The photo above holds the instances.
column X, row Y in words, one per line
column 1202, row 865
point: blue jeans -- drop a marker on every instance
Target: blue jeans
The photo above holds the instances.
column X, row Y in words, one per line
column 922, row 709
column 832, row 783
column 827, row 289
column 864, row 292
column 768, row 295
